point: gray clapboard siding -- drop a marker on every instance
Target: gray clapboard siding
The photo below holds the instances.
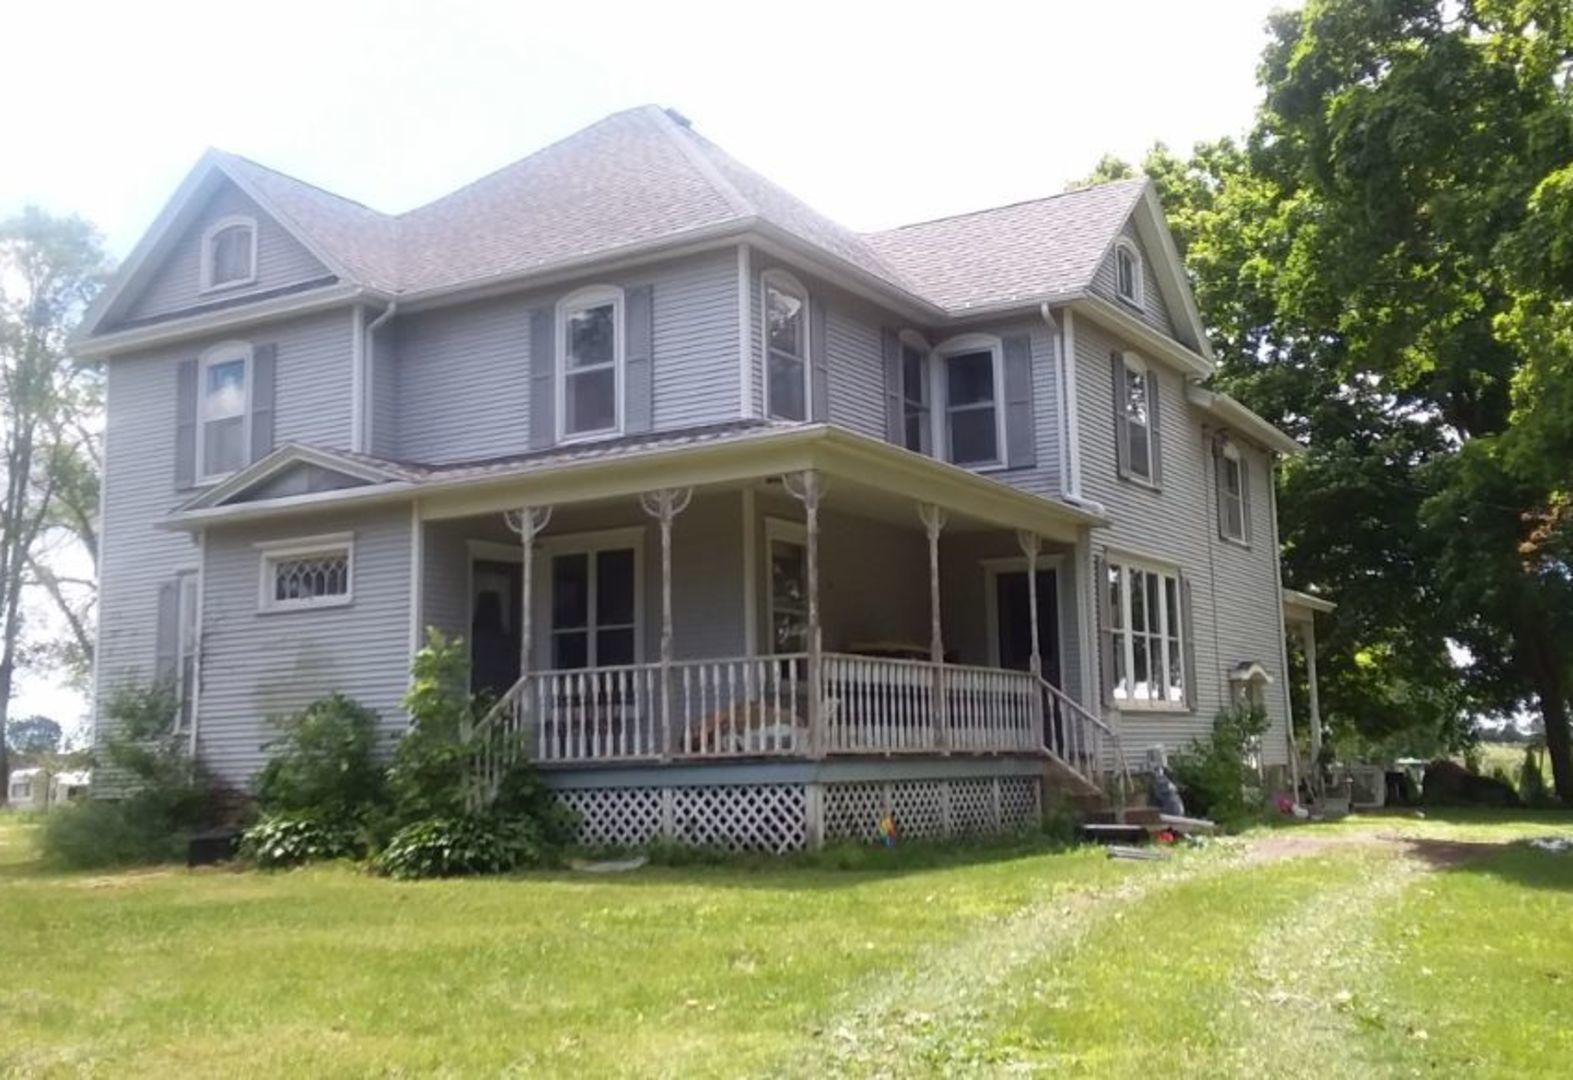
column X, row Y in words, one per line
column 696, row 364
column 856, row 368
column 176, row 282
column 1236, row 612
column 313, row 385
column 256, row 666
column 384, row 413
column 1155, row 310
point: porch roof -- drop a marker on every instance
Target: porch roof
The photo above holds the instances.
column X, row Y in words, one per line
column 718, row 454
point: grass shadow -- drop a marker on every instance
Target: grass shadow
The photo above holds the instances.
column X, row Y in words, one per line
column 1515, row 861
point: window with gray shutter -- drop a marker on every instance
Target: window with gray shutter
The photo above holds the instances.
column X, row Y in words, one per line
column 639, row 366
column 1021, row 437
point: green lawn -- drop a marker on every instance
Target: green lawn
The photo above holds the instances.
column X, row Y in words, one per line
column 1317, row 951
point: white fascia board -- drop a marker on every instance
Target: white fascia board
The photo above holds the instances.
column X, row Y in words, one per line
column 1229, row 411
column 1147, row 340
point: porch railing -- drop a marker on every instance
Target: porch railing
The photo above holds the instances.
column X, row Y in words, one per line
column 759, row 706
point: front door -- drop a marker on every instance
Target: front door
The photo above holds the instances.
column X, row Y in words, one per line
column 1013, row 621
column 494, row 627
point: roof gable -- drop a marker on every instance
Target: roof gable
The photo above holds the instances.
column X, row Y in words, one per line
column 297, row 469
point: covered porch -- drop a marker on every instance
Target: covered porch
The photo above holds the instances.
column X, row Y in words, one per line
column 829, row 603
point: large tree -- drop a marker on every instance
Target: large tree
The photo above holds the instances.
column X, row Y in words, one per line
column 50, row 268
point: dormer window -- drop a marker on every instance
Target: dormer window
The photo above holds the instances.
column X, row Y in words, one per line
column 229, row 253
column 786, row 348
column 1128, row 273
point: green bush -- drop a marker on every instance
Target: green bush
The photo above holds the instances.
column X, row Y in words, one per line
column 291, row 841
column 1532, row 780
column 461, row 845
column 433, row 766
column 324, row 764
column 165, row 797
column 1215, row 776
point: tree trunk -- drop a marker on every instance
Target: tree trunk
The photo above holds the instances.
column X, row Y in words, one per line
column 1554, row 714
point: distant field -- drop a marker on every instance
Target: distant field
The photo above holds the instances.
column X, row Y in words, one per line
column 1509, row 757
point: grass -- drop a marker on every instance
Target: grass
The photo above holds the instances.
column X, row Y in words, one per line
column 1367, row 957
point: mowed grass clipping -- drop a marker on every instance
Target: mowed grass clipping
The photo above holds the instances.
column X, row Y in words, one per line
column 1355, row 950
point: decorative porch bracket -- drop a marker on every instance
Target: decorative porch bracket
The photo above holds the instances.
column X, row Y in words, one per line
column 527, row 522
column 808, row 488
column 934, row 519
column 664, row 506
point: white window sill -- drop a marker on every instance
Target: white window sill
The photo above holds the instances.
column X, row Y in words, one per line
column 1243, row 545
column 1155, row 708
column 565, row 439
column 1141, row 482
column 226, row 286
column 290, row 607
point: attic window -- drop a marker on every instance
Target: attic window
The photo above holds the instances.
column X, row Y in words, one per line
column 229, row 253
column 1128, row 273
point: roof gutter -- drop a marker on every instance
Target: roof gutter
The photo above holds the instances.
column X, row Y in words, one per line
column 1243, row 420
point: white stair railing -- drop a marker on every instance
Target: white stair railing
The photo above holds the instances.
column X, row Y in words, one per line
column 1082, row 741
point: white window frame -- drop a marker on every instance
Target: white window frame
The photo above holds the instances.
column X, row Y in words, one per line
column 1231, row 454
column 781, row 281
column 593, row 296
column 1138, row 296
column 911, row 339
column 940, row 394
column 782, row 531
column 209, row 235
column 1134, row 363
column 273, row 552
column 223, row 353
column 588, row 544
column 21, row 789
column 1125, row 637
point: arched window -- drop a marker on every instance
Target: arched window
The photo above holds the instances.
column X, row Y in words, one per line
column 590, row 363
column 972, row 384
column 1128, row 272
column 786, row 347
column 223, row 410
column 1231, row 493
column 229, row 253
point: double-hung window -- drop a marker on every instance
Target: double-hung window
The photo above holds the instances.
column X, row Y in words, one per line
column 786, row 348
column 223, row 410
column 229, row 253
column 311, row 572
column 972, row 375
column 1135, row 397
column 1146, row 626
column 916, row 418
column 590, row 363
column 1231, row 494
column 595, row 604
column 1128, row 273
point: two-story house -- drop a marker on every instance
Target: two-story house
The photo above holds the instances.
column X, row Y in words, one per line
column 757, row 527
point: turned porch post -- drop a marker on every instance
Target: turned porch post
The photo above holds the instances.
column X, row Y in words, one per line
column 808, row 488
column 934, row 519
column 664, row 505
column 1029, row 542
column 527, row 522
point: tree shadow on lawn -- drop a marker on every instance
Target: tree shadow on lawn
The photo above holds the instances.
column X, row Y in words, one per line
column 1515, row 861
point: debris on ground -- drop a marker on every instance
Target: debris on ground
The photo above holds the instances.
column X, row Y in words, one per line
column 1120, row 851
column 608, row 866
column 1557, row 845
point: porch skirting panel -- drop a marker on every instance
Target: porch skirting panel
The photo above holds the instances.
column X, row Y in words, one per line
column 777, row 812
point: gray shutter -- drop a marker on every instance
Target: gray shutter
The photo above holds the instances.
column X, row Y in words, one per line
column 543, row 378
column 1104, row 630
column 1122, row 442
column 1155, row 425
column 185, row 424
column 1245, row 497
column 1020, row 432
column 1188, row 645
column 1219, row 487
column 166, row 649
column 895, row 396
column 639, row 359
column 819, row 379
column 264, row 372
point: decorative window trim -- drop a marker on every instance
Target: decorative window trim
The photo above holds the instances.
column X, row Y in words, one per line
column 911, row 339
column 1228, row 452
column 941, row 355
column 209, row 235
column 586, row 543
column 273, row 552
column 592, row 296
column 222, row 353
column 1125, row 639
column 1138, row 295
column 1135, row 363
column 781, row 530
column 782, row 281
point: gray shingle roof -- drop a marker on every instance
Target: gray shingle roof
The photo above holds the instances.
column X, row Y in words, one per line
column 643, row 176
column 1018, row 252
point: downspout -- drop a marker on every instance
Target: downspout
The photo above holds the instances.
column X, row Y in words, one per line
column 371, row 367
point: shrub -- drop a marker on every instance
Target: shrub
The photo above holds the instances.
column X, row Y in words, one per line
column 461, row 845
column 165, row 799
column 293, row 840
column 1215, row 775
column 323, row 765
column 432, row 770
column 1532, row 780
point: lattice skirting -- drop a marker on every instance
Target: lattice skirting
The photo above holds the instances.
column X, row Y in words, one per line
column 779, row 817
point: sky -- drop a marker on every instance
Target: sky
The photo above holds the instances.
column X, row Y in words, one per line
column 875, row 113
